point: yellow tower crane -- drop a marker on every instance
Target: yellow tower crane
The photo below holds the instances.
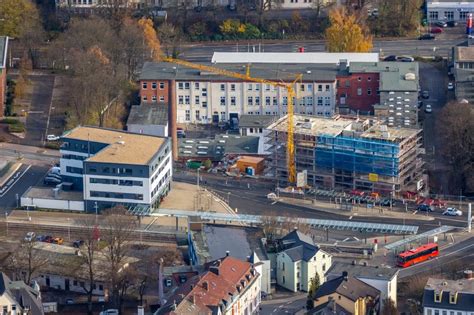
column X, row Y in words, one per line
column 290, row 145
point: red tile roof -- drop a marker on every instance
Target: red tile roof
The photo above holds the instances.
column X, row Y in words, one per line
column 204, row 293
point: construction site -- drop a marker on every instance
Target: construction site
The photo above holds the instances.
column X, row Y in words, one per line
column 347, row 153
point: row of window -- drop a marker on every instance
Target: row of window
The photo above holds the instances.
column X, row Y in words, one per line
column 121, row 182
column 153, row 98
column 115, row 195
column 153, row 85
column 160, row 170
column 74, row 170
column 113, row 170
column 251, row 101
column 162, row 181
column 73, row 157
column 250, row 87
column 448, row 15
column 223, row 114
column 430, row 311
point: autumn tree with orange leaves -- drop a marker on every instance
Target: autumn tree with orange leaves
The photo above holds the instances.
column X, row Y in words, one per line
column 347, row 33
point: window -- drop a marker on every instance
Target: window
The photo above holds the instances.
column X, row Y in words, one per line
column 437, row 296
column 204, row 91
column 309, row 101
column 187, row 85
column 359, row 79
column 197, row 114
column 283, row 279
column 232, row 87
column 327, row 87
column 144, row 85
column 222, row 115
column 257, row 100
column 232, row 100
column 283, row 266
column 196, row 99
column 275, row 102
column 162, row 98
column 453, row 297
column 145, row 98
column 222, row 100
column 180, row 85
column 369, row 79
column 204, row 104
column 268, row 100
column 257, row 86
column 359, row 91
column 310, row 87
column 433, row 15
column 378, row 91
column 320, row 101
column 196, row 85
column 153, row 85
column 249, row 86
column 162, row 85
column 463, row 15
column 285, row 100
column 74, row 283
column 153, row 98
column 302, row 87
column 101, row 287
column 348, row 83
column 449, row 15
column 222, row 87
column 186, row 99
column 250, row 100
column 181, row 99
column 267, row 87
column 369, row 91
column 320, row 87
column 188, row 115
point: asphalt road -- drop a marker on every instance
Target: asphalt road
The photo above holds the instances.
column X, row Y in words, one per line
column 284, row 306
column 38, row 114
column 32, row 176
column 203, row 52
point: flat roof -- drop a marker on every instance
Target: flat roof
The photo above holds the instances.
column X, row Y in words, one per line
column 286, row 72
column 48, row 193
column 148, row 114
column 251, row 159
column 292, row 57
column 256, row 121
column 361, row 271
column 218, row 147
column 124, row 147
column 463, row 53
column 337, row 125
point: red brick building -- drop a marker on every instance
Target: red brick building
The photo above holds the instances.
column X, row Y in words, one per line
column 154, row 91
column 357, row 92
column 3, row 72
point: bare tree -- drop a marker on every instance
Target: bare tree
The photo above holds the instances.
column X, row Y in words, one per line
column 27, row 261
column 117, row 228
column 170, row 38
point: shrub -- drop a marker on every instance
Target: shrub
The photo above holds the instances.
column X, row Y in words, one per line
column 16, row 128
column 10, row 121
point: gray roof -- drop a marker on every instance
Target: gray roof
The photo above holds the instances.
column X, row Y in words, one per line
column 464, row 289
column 213, row 241
column 297, row 238
column 3, row 51
column 216, row 148
column 349, row 287
column 24, row 295
column 256, row 121
column 148, row 114
column 361, row 271
column 298, row 246
column 271, row 71
column 302, row 252
column 329, row 308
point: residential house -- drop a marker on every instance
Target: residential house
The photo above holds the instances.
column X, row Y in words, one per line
column 351, row 294
column 297, row 260
column 17, row 298
column 382, row 278
column 254, row 125
column 453, row 297
column 208, row 242
column 3, row 72
column 114, row 167
column 229, row 286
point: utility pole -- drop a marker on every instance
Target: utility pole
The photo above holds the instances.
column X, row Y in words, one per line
column 469, row 217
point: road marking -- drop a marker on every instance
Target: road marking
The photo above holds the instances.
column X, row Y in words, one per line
column 13, row 184
column 36, row 112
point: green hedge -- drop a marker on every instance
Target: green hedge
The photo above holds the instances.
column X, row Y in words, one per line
column 16, row 128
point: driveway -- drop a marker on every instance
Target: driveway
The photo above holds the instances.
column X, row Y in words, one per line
column 38, row 115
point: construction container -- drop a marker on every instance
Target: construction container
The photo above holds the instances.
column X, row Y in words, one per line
column 251, row 165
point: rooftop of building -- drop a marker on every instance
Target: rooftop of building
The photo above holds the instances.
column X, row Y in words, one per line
column 218, row 147
column 124, row 147
column 329, row 308
column 363, row 271
column 272, row 71
column 256, row 121
column 348, row 287
column 48, row 193
column 432, row 4
column 392, row 74
column 211, row 290
column 462, row 290
column 298, row 246
column 214, row 241
column 463, row 54
column 23, row 294
column 3, row 51
column 347, row 126
column 251, row 159
column 292, row 57
column 148, row 114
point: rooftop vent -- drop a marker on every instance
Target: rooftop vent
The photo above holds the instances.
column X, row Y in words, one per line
column 121, row 142
column 410, row 76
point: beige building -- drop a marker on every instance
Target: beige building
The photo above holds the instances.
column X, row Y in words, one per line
column 298, row 260
column 17, row 298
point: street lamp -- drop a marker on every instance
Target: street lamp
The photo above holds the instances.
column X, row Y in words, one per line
column 68, row 230
column 6, row 221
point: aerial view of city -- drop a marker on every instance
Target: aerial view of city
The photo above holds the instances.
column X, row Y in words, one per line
column 236, row 157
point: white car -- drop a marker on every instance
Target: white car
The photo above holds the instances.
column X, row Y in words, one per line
column 453, row 212
column 30, row 236
column 52, row 138
column 428, row 109
column 450, row 86
column 110, row 312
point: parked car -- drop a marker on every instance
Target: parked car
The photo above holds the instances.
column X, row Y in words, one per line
column 427, row 37
column 58, row 240
column 405, row 59
column 390, row 58
column 424, row 207
column 44, row 238
column 452, row 212
column 55, row 170
column 110, row 312
column 54, row 175
column 69, row 301
column 436, row 30
column 441, row 24
column 52, row 138
column 450, row 86
column 452, row 23
column 428, row 109
column 77, row 243
column 30, row 236
column 51, row 181
column 470, row 36
column 425, row 94
column 180, row 133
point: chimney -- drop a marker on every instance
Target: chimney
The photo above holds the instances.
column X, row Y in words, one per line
column 214, row 270
column 343, row 65
column 227, row 253
column 205, row 286
column 141, row 310
column 345, row 275
column 468, row 274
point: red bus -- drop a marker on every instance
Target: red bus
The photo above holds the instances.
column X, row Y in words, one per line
column 417, row 255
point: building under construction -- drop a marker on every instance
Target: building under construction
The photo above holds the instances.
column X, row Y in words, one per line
column 349, row 153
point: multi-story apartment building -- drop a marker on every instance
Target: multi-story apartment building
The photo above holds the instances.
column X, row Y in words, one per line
column 442, row 297
column 229, row 286
column 387, row 89
column 448, row 10
column 350, row 153
column 3, row 72
column 115, row 167
column 203, row 97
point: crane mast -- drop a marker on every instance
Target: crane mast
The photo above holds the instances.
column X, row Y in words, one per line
column 290, row 145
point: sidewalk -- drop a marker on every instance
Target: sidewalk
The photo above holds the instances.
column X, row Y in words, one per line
column 357, row 210
column 30, row 149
